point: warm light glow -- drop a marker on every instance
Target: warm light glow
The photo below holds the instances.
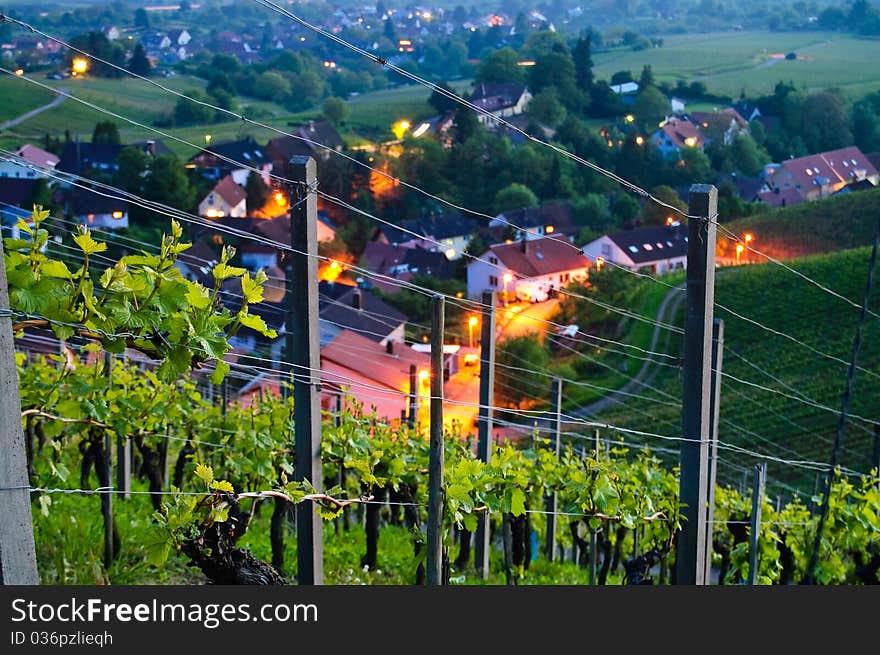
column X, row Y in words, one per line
column 331, row 272
column 19, row 72
column 640, row 140
column 279, row 198
column 472, row 321
column 507, row 278
column 421, row 129
column 739, row 248
column 549, row 229
column 329, row 64
column 670, row 220
column 80, row 65
column 691, row 141
column 117, row 214
column 600, row 262
column 748, row 237
column 207, row 138
column 450, row 253
column 215, row 213
column 404, row 42
column 525, row 62
column 629, row 118
column 400, row 127
column 610, row 143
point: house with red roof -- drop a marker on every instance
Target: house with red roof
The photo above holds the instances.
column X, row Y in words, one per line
column 529, row 269
column 677, row 134
column 29, row 154
column 817, row 176
column 724, row 125
column 227, row 198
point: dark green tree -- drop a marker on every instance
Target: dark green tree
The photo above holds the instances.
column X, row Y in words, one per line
column 500, row 66
column 106, row 132
column 583, row 65
column 442, row 103
column 335, row 110
column 139, row 64
column 257, row 192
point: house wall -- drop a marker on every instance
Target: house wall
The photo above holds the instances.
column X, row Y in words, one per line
column 104, row 220
column 605, row 247
column 13, row 170
column 387, row 401
column 478, row 274
column 543, row 283
column 214, row 201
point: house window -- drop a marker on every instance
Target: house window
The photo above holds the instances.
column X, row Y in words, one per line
column 564, row 277
column 493, row 260
column 493, row 281
column 606, row 249
column 633, row 249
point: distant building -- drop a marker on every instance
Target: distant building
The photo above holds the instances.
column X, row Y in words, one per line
column 676, row 134
column 236, row 158
column 659, row 248
column 446, row 233
column 32, row 155
column 817, row 176
column 528, row 269
column 500, row 99
column 538, row 222
column 226, row 199
column 314, row 139
column 95, row 210
column 724, row 125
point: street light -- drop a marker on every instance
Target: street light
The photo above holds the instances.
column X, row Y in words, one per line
column 748, row 236
column 507, row 278
column 739, row 248
column 472, row 321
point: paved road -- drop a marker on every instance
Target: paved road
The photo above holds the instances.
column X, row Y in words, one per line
column 33, row 112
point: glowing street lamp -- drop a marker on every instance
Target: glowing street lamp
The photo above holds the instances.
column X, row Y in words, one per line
column 507, row 278
column 80, row 65
column 400, row 127
column 472, row 321
column 739, row 248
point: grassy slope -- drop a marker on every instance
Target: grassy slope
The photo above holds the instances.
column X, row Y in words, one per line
column 771, row 423
column 728, row 62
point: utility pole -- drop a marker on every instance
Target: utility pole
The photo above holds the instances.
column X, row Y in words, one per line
column 691, row 554
column 18, row 560
column 551, row 500
column 107, row 493
column 714, row 416
column 303, row 359
column 434, row 537
column 755, row 521
column 484, row 430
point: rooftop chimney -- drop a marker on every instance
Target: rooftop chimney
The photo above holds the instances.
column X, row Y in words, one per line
column 357, row 300
column 389, row 347
column 522, row 244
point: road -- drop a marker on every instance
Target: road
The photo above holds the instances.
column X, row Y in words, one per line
column 33, row 112
column 525, row 318
column 645, row 375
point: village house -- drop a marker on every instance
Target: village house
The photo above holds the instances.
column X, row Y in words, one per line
column 96, row 210
column 315, row 139
column 32, row 155
column 817, row 176
column 676, row 134
column 659, row 248
column 226, row 199
column 235, row 158
column 529, row 269
column 538, row 222
column 500, row 99
column 725, row 125
column 446, row 233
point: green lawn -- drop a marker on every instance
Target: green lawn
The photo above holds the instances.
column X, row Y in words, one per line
column 729, row 62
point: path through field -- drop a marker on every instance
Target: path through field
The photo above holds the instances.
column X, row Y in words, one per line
column 33, row 112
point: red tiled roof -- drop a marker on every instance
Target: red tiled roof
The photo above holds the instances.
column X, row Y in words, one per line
column 37, row 156
column 371, row 360
column 678, row 130
column 230, row 191
column 541, row 256
column 845, row 165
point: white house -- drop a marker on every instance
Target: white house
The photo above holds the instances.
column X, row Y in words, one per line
column 226, row 199
column 501, row 100
column 660, row 248
column 529, row 269
column 32, row 155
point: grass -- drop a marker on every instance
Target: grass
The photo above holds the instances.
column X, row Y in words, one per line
column 730, row 62
column 810, row 363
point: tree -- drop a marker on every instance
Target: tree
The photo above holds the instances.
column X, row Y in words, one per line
column 219, row 81
column 500, row 66
column 655, row 214
column 106, row 132
column 141, row 18
column 520, row 375
column 139, row 64
column 621, row 77
column 257, row 192
column 167, row 183
column 515, row 196
column 545, row 108
column 824, row 123
column 271, row 86
column 390, row 31
column 651, row 105
column 187, row 112
column 335, row 110
column 747, row 156
column 556, row 70
column 133, row 165
column 441, row 102
column 583, row 64
column 647, row 77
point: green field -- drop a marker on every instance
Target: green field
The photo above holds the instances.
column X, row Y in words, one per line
column 730, row 62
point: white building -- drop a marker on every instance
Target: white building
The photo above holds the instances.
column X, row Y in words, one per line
column 659, row 248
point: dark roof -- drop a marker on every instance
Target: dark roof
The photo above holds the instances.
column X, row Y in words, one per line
column 495, row 96
column 392, row 260
column 77, row 157
column 445, row 226
column 746, row 187
column 665, row 242
column 375, row 320
column 82, row 202
column 156, row 146
column 245, row 151
column 321, row 132
column 556, row 214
